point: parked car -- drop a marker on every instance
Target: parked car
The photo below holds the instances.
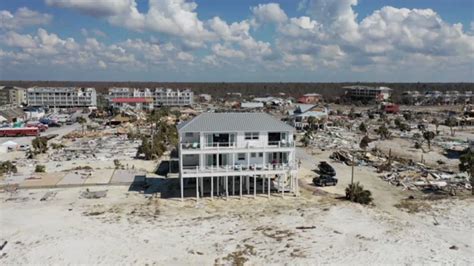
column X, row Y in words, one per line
column 324, row 180
column 326, row 169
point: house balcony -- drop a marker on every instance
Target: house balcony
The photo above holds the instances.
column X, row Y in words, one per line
column 237, row 170
column 196, row 147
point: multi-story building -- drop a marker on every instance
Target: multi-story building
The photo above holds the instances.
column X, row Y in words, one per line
column 170, row 97
column 365, row 93
column 237, row 153
column 13, row 96
column 158, row 97
column 131, row 98
column 61, row 97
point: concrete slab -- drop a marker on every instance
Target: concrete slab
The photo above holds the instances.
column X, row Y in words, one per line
column 13, row 179
column 43, row 180
column 128, row 177
column 74, row 178
column 102, row 176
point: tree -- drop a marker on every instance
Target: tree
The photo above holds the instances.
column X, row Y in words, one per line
column 383, row 132
column 363, row 127
column 40, row 168
column 40, row 145
column 436, row 123
column 117, row 164
column 408, row 116
column 356, row 193
column 451, row 122
column 466, row 164
column 306, row 140
column 364, row 142
column 82, row 121
column 428, row 136
column 7, row 167
column 311, row 122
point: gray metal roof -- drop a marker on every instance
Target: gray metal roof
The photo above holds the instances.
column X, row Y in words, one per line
column 233, row 122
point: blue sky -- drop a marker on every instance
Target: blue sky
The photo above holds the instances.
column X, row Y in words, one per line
column 237, row 40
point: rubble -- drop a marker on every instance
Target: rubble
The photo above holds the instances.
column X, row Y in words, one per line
column 94, row 194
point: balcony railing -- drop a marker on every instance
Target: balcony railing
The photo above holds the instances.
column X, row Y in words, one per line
column 237, row 168
column 234, row 145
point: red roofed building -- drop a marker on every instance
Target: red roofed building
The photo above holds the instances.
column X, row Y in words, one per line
column 310, row 98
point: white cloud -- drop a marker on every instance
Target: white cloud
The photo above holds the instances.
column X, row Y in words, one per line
column 228, row 52
column 93, row 32
column 95, row 7
column 269, row 13
column 23, row 17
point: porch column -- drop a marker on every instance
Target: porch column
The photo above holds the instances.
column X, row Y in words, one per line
column 218, row 184
column 212, row 188
column 226, row 187
column 197, row 188
column 268, row 186
column 202, row 186
column 254, row 186
column 182, row 187
column 233, row 185
column 240, row 187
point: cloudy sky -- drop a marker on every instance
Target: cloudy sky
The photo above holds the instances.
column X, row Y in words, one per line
column 237, row 40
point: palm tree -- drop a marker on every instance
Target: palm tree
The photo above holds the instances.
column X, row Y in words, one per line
column 383, row 132
column 451, row 122
column 306, row 139
column 436, row 123
column 363, row 127
column 428, row 136
column 311, row 122
column 82, row 121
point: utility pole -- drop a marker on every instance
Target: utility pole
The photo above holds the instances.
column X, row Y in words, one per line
column 352, row 169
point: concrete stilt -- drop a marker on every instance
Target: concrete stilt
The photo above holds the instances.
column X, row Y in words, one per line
column 233, row 185
column 181, row 181
column 197, row 188
column 226, row 187
column 212, row 188
column 268, row 186
column 254, row 186
column 240, row 187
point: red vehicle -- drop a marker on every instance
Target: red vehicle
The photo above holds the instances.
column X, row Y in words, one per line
column 391, row 108
column 42, row 127
column 19, row 132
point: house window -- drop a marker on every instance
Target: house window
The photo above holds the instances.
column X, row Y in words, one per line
column 260, row 154
column 188, row 135
column 253, row 155
column 251, row 135
column 241, row 156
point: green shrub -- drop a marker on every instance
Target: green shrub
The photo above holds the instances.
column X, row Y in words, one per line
column 40, row 168
column 356, row 193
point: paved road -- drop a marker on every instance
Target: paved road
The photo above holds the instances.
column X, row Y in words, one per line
column 61, row 131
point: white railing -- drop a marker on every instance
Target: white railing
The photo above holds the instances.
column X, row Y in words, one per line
column 234, row 145
column 236, row 168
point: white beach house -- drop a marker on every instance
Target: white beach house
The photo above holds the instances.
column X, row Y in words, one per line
column 222, row 154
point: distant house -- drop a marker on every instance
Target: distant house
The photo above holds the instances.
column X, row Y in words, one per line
column 138, row 103
column 300, row 115
column 237, row 153
column 205, row 97
column 366, row 93
column 310, row 98
column 251, row 105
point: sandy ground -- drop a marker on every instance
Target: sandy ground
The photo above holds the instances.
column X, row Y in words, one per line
column 128, row 227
